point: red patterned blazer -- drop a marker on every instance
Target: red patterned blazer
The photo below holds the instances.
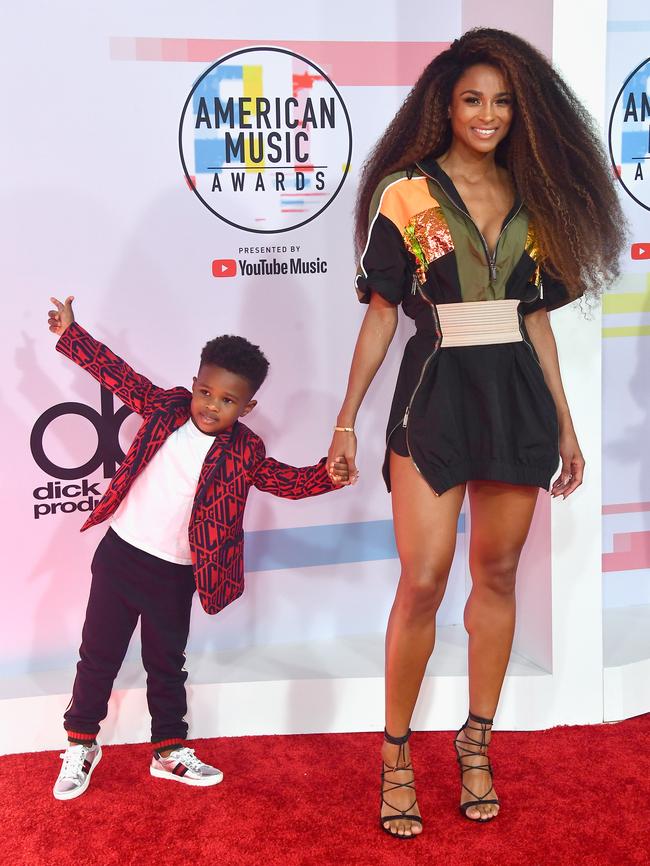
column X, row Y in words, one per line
column 235, row 462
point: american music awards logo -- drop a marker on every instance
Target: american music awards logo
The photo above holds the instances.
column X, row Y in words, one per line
column 629, row 134
column 265, row 139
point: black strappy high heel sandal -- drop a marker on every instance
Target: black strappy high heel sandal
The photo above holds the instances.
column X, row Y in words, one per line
column 470, row 747
column 387, row 787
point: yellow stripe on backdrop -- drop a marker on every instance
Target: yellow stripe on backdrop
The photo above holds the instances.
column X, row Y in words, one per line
column 631, row 295
column 252, row 86
column 628, row 331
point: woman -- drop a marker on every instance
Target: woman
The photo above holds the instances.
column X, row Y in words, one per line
column 491, row 203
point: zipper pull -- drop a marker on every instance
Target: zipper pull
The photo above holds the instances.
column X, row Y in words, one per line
column 493, row 271
column 541, row 288
column 414, row 284
column 406, row 417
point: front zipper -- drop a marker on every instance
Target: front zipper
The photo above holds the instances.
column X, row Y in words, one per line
column 491, row 259
column 405, row 419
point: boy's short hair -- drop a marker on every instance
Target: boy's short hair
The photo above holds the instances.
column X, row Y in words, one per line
column 238, row 356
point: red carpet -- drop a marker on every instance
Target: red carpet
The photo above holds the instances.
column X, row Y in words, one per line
column 577, row 795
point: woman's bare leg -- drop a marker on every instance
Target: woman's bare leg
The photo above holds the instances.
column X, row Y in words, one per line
column 501, row 517
column 425, row 531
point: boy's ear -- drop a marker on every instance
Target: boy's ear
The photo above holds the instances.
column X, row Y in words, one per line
column 248, row 408
column 193, row 381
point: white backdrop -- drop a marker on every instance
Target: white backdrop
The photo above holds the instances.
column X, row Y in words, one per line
column 626, row 332
column 95, row 203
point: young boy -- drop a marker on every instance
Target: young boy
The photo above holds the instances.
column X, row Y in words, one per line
column 176, row 506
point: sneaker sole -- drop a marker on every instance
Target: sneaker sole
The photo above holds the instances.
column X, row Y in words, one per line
column 77, row 792
column 198, row 783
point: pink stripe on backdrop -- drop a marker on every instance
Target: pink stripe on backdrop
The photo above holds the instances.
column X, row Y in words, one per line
column 348, row 63
column 626, row 508
column 631, row 551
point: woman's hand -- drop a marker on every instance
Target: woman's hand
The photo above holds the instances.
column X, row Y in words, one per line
column 343, row 450
column 573, row 466
column 63, row 316
column 573, row 463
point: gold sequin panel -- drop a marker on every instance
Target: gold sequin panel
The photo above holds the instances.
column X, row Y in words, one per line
column 532, row 248
column 427, row 238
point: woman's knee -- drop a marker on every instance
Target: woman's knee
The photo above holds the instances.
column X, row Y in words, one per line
column 422, row 587
column 496, row 572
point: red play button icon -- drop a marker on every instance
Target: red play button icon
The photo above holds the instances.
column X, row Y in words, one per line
column 640, row 251
column 224, row 268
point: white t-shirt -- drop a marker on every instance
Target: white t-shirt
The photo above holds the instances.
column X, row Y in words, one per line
column 155, row 514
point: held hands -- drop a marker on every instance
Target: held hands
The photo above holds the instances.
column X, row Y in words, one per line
column 573, row 467
column 340, row 458
column 63, row 316
column 338, row 471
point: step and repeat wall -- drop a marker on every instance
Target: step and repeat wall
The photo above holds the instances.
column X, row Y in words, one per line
column 626, row 319
column 185, row 171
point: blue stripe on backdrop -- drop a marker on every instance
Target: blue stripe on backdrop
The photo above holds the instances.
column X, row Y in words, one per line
column 302, row 546
column 627, row 26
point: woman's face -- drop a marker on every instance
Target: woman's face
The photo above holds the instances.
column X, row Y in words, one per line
column 481, row 108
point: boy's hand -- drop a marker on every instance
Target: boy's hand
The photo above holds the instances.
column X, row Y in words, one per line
column 63, row 316
column 338, row 470
column 343, row 450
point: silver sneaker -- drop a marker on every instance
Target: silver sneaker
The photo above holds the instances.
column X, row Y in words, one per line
column 78, row 765
column 182, row 765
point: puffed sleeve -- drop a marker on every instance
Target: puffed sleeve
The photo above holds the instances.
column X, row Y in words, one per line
column 551, row 295
column 384, row 266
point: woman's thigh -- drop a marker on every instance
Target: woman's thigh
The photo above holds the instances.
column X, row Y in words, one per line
column 425, row 524
column 501, row 515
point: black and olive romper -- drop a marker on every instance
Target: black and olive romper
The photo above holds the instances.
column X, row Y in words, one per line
column 461, row 412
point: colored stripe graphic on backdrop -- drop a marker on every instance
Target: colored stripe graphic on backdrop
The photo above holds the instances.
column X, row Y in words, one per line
column 305, row 546
column 631, row 550
column 361, row 64
column 627, row 26
column 631, row 298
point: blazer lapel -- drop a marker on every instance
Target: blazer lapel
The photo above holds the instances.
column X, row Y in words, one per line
column 214, row 460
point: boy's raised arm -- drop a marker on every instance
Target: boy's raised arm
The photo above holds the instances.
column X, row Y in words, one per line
column 134, row 390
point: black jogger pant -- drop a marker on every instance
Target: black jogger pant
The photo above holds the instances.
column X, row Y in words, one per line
column 128, row 583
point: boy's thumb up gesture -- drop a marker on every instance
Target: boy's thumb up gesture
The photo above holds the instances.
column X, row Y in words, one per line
column 63, row 316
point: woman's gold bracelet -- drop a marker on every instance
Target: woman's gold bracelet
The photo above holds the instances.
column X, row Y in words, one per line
column 344, row 429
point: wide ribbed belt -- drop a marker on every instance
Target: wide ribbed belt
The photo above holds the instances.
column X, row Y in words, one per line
column 479, row 323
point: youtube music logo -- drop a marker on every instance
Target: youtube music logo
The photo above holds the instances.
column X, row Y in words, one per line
column 640, row 251
column 224, row 268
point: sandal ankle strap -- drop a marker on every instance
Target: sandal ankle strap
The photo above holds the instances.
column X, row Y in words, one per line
column 480, row 719
column 396, row 741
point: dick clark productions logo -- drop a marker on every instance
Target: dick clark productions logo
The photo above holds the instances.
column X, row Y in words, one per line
column 54, row 496
column 265, row 140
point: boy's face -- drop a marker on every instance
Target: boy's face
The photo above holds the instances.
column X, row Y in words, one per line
column 219, row 398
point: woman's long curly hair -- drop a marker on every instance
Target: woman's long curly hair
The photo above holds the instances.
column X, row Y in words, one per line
column 553, row 153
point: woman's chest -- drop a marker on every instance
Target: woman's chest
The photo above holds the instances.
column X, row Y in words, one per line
column 488, row 207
